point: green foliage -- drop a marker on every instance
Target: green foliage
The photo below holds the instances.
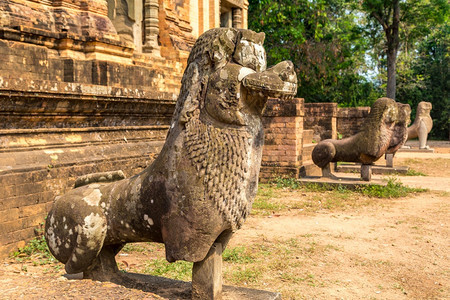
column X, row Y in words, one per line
column 36, row 245
column 322, row 40
column 338, row 46
column 35, row 250
column 180, row 270
column 425, row 77
column 393, row 189
column 287, row 182
column 395, row 27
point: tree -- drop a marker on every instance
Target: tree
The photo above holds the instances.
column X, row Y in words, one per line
column 426, row 77
column 323, row 40
column 403, row 22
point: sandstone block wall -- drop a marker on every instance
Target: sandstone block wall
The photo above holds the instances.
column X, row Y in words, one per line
column 321, row 118
column 350, row 119
column 63, row 117
column 283, row 129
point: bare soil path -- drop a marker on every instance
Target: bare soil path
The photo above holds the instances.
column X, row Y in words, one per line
column 378, row 249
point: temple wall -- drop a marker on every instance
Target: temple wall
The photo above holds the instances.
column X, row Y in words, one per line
column 350, row 119
column 86, row 86
column 321, row 118
column 283, row 138
column 328, row 121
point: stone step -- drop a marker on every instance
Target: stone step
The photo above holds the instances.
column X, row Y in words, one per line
column 309, row 169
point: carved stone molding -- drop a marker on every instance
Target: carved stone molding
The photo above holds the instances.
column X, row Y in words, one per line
column 151, row 23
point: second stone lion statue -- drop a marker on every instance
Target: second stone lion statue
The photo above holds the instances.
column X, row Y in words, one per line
column 200, row 188
column 384, row 131
column 422, row 124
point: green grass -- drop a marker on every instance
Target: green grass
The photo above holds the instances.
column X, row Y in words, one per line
column 412, row 172
column 237, row 255
column 134, row 247
column 393, row 189
column 180, row 270
column 244, row 274
column 35, row 251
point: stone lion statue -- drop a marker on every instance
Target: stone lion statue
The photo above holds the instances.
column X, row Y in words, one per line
column 422, row 124
column 200, row 188
column 400, row 133
column 368, row 145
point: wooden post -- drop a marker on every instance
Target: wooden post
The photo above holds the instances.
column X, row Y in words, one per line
column 366, row 172
column 207, row 275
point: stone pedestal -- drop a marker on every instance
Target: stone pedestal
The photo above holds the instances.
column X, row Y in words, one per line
column 389, row 160
column 326, row 171
column 366, row 172
column 207, row 276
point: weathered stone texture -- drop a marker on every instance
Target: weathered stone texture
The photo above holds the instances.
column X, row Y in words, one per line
column 350, row 120
column 283, row 128
column 200, row 188
column 81, row 94
column 321, row 117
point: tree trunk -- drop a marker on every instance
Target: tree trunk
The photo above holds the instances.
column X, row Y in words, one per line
column 391, row 70
column 393, row 43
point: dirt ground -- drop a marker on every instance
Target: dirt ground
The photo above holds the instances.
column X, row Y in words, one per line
column 384, row 249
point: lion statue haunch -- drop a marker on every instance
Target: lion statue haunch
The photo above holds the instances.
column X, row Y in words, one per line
column 422, row 124
column 368, row 145
column 200, row 188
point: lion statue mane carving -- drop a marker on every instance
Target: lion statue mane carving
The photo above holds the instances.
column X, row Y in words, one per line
column 200, row 188
column 422, row 124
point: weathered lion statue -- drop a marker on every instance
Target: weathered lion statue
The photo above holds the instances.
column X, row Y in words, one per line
column 200, row 188
column 400, row 134
column 365, row 147
column 422, row 124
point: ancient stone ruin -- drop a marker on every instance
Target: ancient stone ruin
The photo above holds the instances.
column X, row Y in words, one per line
column 88, row 86
column 200, row 188
column 422, row 124
column 374, row 139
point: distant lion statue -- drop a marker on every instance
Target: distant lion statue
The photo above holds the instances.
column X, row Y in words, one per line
column 200, row 188
column 422, row 124
column 365, row 147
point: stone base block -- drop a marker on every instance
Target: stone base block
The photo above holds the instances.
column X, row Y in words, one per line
column 176, row 289
column 356, row 168
column 425, row 150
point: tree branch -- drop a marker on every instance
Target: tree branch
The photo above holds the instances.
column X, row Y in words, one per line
column 380, row 20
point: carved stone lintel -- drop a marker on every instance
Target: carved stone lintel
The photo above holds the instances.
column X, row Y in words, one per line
column 207, row 276
column 366, row 172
